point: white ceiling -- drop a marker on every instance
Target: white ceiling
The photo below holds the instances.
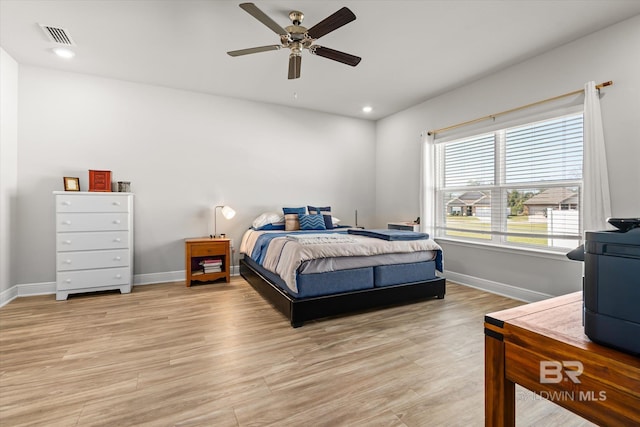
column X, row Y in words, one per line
column 411, row 50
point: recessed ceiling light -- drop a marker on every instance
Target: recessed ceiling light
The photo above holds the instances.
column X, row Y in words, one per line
column 367, row 109
column 64, row 53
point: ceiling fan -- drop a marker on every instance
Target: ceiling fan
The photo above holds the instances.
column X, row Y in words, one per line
column 297, row 38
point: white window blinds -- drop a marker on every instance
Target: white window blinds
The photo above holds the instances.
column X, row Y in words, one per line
column 470, row 162
column 544, row 152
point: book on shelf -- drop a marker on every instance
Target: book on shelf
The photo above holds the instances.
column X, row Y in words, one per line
column 197, row 272
column 213, row 270
column 211, row 262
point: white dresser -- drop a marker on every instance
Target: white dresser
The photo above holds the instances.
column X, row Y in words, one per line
column 94, row 242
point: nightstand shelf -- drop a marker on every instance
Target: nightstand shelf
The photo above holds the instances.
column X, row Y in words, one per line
column 200, row 249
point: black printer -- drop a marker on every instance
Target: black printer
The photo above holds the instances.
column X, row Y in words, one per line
column 612, row 285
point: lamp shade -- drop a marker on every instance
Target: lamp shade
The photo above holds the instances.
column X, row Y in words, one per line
column 228, row 212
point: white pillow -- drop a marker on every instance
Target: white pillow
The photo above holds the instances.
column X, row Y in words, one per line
column 334, row 221
column 267, row 218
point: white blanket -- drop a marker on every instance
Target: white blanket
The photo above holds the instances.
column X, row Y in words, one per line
column 317, row 239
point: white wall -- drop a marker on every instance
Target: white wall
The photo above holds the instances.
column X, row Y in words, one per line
column 611, row 54
column 8, row 164
column 182, row 151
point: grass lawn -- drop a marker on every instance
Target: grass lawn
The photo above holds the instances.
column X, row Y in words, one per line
column 516, row 224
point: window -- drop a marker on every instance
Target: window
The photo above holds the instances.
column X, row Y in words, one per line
column 515, row 186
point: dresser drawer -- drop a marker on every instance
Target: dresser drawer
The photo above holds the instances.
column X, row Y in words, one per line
column 209, row 249
column 66, row 242
column 92, row 259
column 92, row 203
column 92, row 222
column 93, row 278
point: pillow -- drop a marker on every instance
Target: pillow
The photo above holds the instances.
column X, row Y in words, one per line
column 291, row 222
column 267, row 218
column 325, row 212
column 311, row 222
column 274, row 226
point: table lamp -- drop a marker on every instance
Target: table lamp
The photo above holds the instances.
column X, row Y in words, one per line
column 227, row 212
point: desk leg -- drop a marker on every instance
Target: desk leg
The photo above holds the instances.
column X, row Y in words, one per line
column 499, row 392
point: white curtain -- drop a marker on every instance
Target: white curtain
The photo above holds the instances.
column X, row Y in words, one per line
column 596, row 205
column 428, row 185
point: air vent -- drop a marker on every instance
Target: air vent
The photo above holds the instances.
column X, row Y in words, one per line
column 57, row 35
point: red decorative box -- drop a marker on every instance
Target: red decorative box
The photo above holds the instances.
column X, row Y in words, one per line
column 99, row 180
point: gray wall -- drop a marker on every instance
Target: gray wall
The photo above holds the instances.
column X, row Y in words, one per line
column 182, row 152
column 8, row 163
column 611, row 54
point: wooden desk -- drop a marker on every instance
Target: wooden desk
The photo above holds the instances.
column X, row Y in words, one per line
column 542, row 346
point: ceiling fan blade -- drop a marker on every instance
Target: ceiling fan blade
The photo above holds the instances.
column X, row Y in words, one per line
column 294, row 66
column 336, row 55
column 253, row 10
column 254, row 50
column 330, row 23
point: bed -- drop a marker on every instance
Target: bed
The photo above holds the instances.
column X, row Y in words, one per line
column 312, row 274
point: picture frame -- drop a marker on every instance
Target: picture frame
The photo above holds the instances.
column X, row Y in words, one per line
column 71, row 183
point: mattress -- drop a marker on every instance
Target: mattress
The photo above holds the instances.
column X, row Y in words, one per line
column 311, row 264
column 342, row 281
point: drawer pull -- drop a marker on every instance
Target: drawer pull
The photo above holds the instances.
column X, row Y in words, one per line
column 117, row 258
column 67, row 242
column 116, row 221
column 118, row 276
column 67, row 261
column 67, row 222
column 66, row 203
column 117, row 240
column 67, row 281
column 116, row 203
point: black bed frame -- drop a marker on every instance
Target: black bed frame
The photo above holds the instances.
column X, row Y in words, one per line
column 300, row 310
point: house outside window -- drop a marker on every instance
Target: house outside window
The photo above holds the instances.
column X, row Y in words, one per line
column 515, row 186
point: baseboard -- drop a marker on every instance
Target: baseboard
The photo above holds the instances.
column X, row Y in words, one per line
column 48, row 288
column 152, row 278
column 8, row 295
column 498, row 288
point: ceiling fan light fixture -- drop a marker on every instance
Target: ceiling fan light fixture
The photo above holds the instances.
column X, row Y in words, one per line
column 367, row 109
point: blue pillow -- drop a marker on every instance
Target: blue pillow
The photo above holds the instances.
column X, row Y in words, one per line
column 311, row 222
column 297, row 211
column 291, row 222
column 326, row 214
column 275, row 226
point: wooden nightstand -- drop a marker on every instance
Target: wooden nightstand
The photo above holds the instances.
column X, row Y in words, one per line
column 200, row 250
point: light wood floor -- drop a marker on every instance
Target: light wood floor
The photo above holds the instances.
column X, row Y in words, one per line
column 219, row 355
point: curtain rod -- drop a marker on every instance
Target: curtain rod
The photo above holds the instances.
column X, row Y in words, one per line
column 533, row 104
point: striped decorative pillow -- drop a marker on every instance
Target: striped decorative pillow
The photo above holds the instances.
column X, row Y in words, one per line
column 326, row 213
column 311, row 222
